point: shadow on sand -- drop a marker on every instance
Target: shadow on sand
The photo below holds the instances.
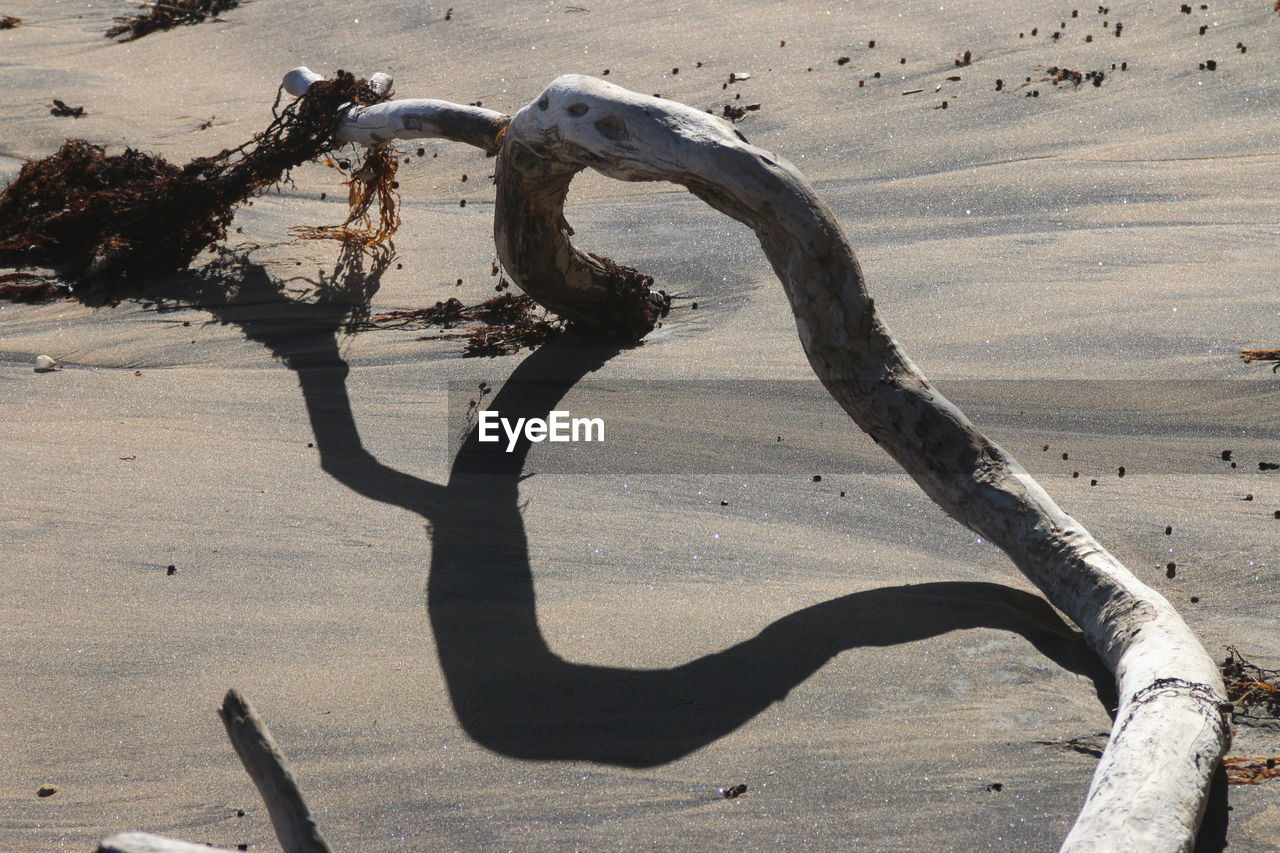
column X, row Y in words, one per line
column 510, row 691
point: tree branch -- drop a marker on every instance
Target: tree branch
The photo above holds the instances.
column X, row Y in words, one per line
column 1151, row 785
column 266, row 766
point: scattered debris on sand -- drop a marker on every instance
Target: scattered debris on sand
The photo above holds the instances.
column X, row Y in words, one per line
column 737, row 114
column 8, row 22
column 1253, row 690
column 1090, row 745
column 510, row 322
column 1066, row 75
column 165, row 15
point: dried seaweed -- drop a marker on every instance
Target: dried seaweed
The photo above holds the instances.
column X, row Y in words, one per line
column 1251, row 355
column 27, row 287
column 1091, row 745
column 1253, row 690
column 8, row 22
column 1250, row 771
column 372, row 179
column 736, row 114
column 125, row 217
column 510, row 324
column 167, row 14
column 62, row 110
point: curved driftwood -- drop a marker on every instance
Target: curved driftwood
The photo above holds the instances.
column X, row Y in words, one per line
column 531, row 234
column 1170, row 732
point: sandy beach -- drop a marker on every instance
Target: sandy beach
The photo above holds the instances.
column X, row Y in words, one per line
column 226, row 486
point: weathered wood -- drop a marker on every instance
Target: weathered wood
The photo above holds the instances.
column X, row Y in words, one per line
column 530, row 232
column 1150, row 787
column 141, row 842
column 421, row 118
column 290, row 816
column 532, row 238
column 1170, row 733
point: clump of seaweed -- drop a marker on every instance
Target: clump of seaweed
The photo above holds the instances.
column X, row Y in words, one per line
column 128, row 216
column 8, row 22
column 1253, row 690
column 167, row 14
column 1250, row 771
column 1251, row 355
column 372, row 180
column 62, row 110
column 28, row 287
column 510, row 324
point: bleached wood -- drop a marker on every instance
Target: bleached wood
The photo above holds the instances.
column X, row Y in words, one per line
column 141, row 842
column 420, row 118
column 290, row 816
column 1150, row 788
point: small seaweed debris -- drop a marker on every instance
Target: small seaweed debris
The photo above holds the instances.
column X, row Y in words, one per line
column 1250, row 771
column 1251, row 355
column 27, row 287
column 1066, row 75
column 61, row 110
column 732, row 792
column 165, row 15
column 736, row 114
column 1253, row 690
column 8, row 22
column 510, row 324
column 372, row 179
column 128, row 216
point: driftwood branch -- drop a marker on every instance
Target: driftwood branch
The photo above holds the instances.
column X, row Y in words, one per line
column 1150, row 788
column 530, row 232
column 1170, row 733
column 1151, row 785
column 290, row 816
column 407, row 119
column 270, row 772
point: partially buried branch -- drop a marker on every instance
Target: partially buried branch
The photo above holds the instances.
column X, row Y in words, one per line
column 261, row 757
column 294, row 826
column 141, row 842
